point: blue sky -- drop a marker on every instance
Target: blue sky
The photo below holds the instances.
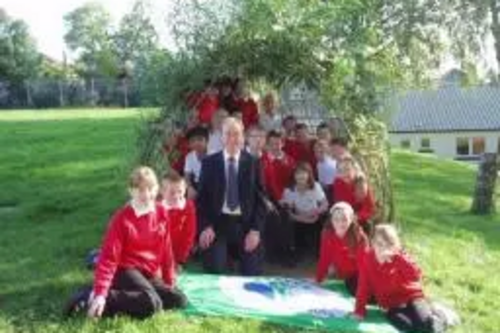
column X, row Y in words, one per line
column 45, row 18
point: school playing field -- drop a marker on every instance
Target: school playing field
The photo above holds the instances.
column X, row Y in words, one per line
column 62, row 173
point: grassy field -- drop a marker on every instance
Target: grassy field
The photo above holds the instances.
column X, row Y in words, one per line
column 63, row 173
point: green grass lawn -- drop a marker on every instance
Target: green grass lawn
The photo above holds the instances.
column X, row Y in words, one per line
column 62, row 174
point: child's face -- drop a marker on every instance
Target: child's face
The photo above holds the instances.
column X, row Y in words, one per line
column 360, row 190
column 198, row 144
column 173, row 193
column 301, row 177
column 338, row 151
column 275, row 145
column 218, row 119
column 269, row 105
column 302, row 135
column 289, row 125
column 212, row 91
column 347, row 171
column 256, row 140
column 340, row 223
column 383, row 250
column 320, row 150
column 324, row 134
column 144, row 194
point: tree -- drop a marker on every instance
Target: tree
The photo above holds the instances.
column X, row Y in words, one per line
column 484, row 193
column 149, row 76
column 136, row 48
column 350, row 51
column 89, row 33
column 136, row 36
column 20, row 58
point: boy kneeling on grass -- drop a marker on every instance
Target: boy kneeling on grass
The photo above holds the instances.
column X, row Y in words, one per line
column 135, row 273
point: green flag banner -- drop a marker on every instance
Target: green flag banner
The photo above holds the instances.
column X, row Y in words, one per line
column 278, row 300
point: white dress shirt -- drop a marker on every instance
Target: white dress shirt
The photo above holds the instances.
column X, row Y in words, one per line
column 179, row 205
column 327, row 170
column 225, row 208
column 140, row 209
column 193, row 165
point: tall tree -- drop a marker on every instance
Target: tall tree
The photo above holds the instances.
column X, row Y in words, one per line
column 89, row 33
column 20, row 58
column 136, row 35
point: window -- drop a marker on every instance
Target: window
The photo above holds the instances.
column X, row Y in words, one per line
column 425, row 146
column 425, row 143
column 478, row 146
column 462, row 146
column 406, row 144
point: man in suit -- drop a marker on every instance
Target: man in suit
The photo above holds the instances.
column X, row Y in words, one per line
column 229, row 202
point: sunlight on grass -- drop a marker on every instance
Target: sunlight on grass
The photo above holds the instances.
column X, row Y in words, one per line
column 64, row 173
column 459, row 252
column 61, row 114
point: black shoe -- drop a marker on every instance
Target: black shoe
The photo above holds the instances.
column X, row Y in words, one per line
column 77, row 303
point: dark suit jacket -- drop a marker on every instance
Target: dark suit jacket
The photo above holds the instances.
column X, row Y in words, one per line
column 212, row 191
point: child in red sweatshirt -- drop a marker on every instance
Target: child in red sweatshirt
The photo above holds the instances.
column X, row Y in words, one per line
column 301, row 149
column 278, row 167
column 393, row 278
column 351, row 186
column 343, row 188
column 247, row 106
column 176, row 148
column 135, row 273
column 343, row 247
column 364, row 204
column 182, row 216
column 208, row 104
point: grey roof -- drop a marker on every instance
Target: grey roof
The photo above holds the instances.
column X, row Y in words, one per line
column 449, row 108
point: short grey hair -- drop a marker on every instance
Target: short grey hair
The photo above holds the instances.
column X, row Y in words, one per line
column 232, row 122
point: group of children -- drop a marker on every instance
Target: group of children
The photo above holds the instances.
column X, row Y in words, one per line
column 302, row 174
column 378, row 270
column 146, row 243
column 151, row 237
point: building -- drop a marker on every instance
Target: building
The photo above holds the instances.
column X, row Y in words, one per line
column 452, row 121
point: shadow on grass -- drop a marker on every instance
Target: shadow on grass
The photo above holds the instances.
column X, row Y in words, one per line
column 435, row 196
column 41, row 304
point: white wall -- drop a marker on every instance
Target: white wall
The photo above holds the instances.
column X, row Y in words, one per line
column 445, row 144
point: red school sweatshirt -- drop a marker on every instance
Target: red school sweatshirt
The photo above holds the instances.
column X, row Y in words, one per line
column 249, row 111
column 345, row 191
column 301, row 152
column 365, row 208
column 182, row 230
column 136, row 242
column 278, row 173
column 335, row 251
column 207, row 106
column 393, row 284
